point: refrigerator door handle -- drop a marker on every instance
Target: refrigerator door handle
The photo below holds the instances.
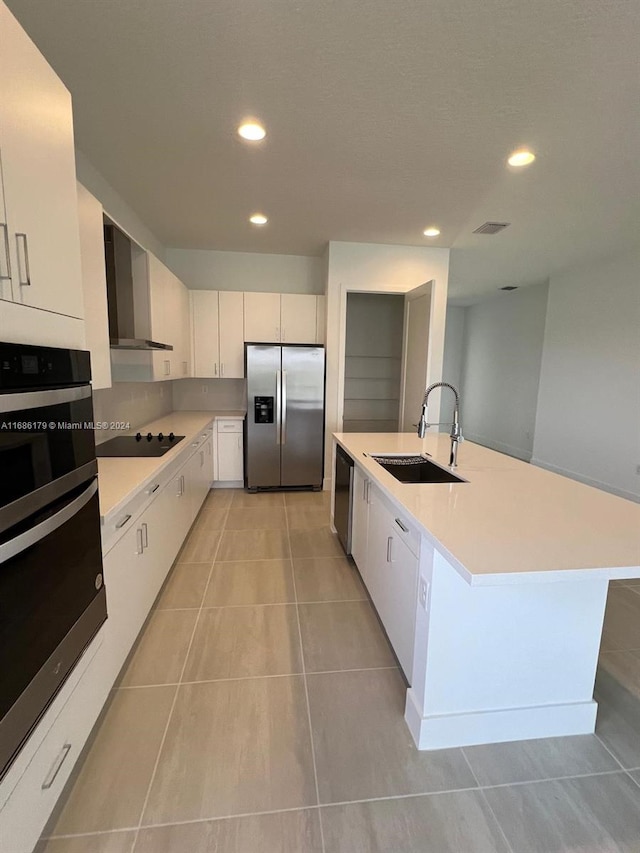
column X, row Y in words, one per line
column 283, row 404
column 278, row 406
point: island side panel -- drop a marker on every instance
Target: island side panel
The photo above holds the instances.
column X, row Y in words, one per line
column 502, row 663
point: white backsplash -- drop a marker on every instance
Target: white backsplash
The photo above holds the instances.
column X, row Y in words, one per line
column 132, row 403
column 209, row 395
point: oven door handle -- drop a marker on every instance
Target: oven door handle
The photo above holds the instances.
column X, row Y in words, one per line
column 37, row 399
column 31, row 537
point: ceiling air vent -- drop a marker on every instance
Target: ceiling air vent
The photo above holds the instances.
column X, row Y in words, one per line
column 509, row 287
column 492, row 227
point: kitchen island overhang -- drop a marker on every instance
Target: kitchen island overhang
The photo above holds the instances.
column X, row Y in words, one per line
column 516, row 564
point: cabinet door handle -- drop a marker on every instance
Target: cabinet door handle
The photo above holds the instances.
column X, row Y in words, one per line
column 140, row 541
column 145, row 535
column 184, row 487
column 122, row 522
column 184, row 367
column 284, row 335
column 222, row 368
column 239, row 443
column 215, row 368
column 55, row 767
column 153, row 489
column 389, row 549
column 167, row 367
column 23, row 260
column 6, row 276
column 277, row 333
column 401, row 526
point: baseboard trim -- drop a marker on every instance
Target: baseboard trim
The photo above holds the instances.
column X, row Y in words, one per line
column 444, row 731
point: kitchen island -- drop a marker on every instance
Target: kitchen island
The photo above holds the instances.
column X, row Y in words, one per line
column 492, row 591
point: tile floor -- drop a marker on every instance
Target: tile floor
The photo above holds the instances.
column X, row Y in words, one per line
column 262, row 710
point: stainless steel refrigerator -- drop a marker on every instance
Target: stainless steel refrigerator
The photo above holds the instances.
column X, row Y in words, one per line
column 284, row 428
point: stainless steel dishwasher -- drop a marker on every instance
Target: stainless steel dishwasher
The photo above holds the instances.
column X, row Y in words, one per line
column 343, row 497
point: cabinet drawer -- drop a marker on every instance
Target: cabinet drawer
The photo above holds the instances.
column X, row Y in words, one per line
column 229, row 425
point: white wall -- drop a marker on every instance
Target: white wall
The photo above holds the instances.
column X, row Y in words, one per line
column 209, row 395
column 454, row 342
column 503, row 339
column 116, row 207
column 374, row 268
column 588, row 421
column 202, row 269
column 133, row 403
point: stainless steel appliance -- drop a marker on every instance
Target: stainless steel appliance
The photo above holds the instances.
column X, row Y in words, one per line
column 139, row 445
column 284, row 428
column 343, row 499
column 52, row 596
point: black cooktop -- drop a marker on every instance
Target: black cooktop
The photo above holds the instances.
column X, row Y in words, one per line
column 138, row 445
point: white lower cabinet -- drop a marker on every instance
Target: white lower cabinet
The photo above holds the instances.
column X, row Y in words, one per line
column 148, row 534
column 230, row 449
column 360, row 520
column 386, row 551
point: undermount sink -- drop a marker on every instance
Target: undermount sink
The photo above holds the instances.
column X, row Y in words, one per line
column 415, row 469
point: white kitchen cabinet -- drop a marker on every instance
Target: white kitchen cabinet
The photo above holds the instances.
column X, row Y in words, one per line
column 231, row 334
column 281, row 318
column 169, row 317
column 206, row 341
column 391, row 575
column 184, row 366
column 321, row 320
column 94, row 287
column 262, row 317
column 298, row 318
column 360, row 519
column 230, row 462
column 218, row 342
column 39, row 180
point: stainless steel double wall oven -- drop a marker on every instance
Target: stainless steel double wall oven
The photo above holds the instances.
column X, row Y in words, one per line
column 52, row 596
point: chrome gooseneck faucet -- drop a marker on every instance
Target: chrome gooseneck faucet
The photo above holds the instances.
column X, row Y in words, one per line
column 456, row 433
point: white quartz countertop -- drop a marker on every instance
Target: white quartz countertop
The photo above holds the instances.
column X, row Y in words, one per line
column 512, row 522
column 120, row 478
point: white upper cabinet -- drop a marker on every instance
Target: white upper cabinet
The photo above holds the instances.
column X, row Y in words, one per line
column 298, row 318
column 262, row 317
column 231, row 328
column 218, row 342
column 321, row 320
column 281, row 318
column 94, row 287
column 169, row 318
column 39, row 178
column 206, row 344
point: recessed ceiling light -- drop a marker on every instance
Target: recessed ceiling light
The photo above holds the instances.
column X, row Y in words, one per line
column 252, row 131
column 522, row 157
column 258, row 219
column 431, row 232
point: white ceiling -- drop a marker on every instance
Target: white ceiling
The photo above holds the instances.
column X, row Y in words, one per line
column 382, row 118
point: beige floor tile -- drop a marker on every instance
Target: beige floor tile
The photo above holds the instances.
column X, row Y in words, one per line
column 317, row 542
column 234, row 747
column 185, row 586
column 110, row 842
column 362, row 744
column 282, row 832
column 342, row 635
column 546, row 758
column 624, row 667
column 622, row 618
column 317, row 499
column 257, row 499
column 250, row 582
column 218, row 498
column 253, row 545
column 110, row 789
column 212, row 518
column 596, row 813
column 446, row 823
column 307, row 516
column 161, row 650
column 237, row 642
column 618, row 721
column 258, row 518
column 200, row 546
column 327, row 579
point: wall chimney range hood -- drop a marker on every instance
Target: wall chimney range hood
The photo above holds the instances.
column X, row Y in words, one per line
column 120, row 294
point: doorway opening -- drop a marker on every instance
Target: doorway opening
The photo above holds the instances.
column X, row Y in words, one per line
column 373, row 362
